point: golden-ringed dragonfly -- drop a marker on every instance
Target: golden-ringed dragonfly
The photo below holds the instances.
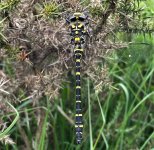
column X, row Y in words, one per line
column 78, row 30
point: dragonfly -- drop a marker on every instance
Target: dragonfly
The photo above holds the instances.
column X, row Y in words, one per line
column 78, row 31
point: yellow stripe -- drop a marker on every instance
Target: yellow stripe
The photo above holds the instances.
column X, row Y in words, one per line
column 78, row 87
column 80, row 126
column 77, row 73
column 77, row 14
column 80, row 25
column 78, row 54
column 78, row 115
column 77, row 39
column 77, row 60
column 76, row 32
column 78, row 101
column 78, row 50
column 76, row 29
column 73, row 26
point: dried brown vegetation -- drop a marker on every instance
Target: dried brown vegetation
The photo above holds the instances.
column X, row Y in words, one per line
column 42, row 46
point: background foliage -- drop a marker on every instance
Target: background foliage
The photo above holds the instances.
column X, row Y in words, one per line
column 37, row 81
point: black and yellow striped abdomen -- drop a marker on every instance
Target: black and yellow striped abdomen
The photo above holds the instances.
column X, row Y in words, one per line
column 78, row 116
column 77, row 25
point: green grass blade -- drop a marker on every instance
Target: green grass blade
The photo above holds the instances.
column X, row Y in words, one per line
column 89, row 112
column 146, row 142
column 42, row 142
column 101, row 130
column 5, row 132
column 141, row 102
column 121, row 137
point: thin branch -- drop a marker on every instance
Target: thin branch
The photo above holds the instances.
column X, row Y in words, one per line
column 105, row 15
